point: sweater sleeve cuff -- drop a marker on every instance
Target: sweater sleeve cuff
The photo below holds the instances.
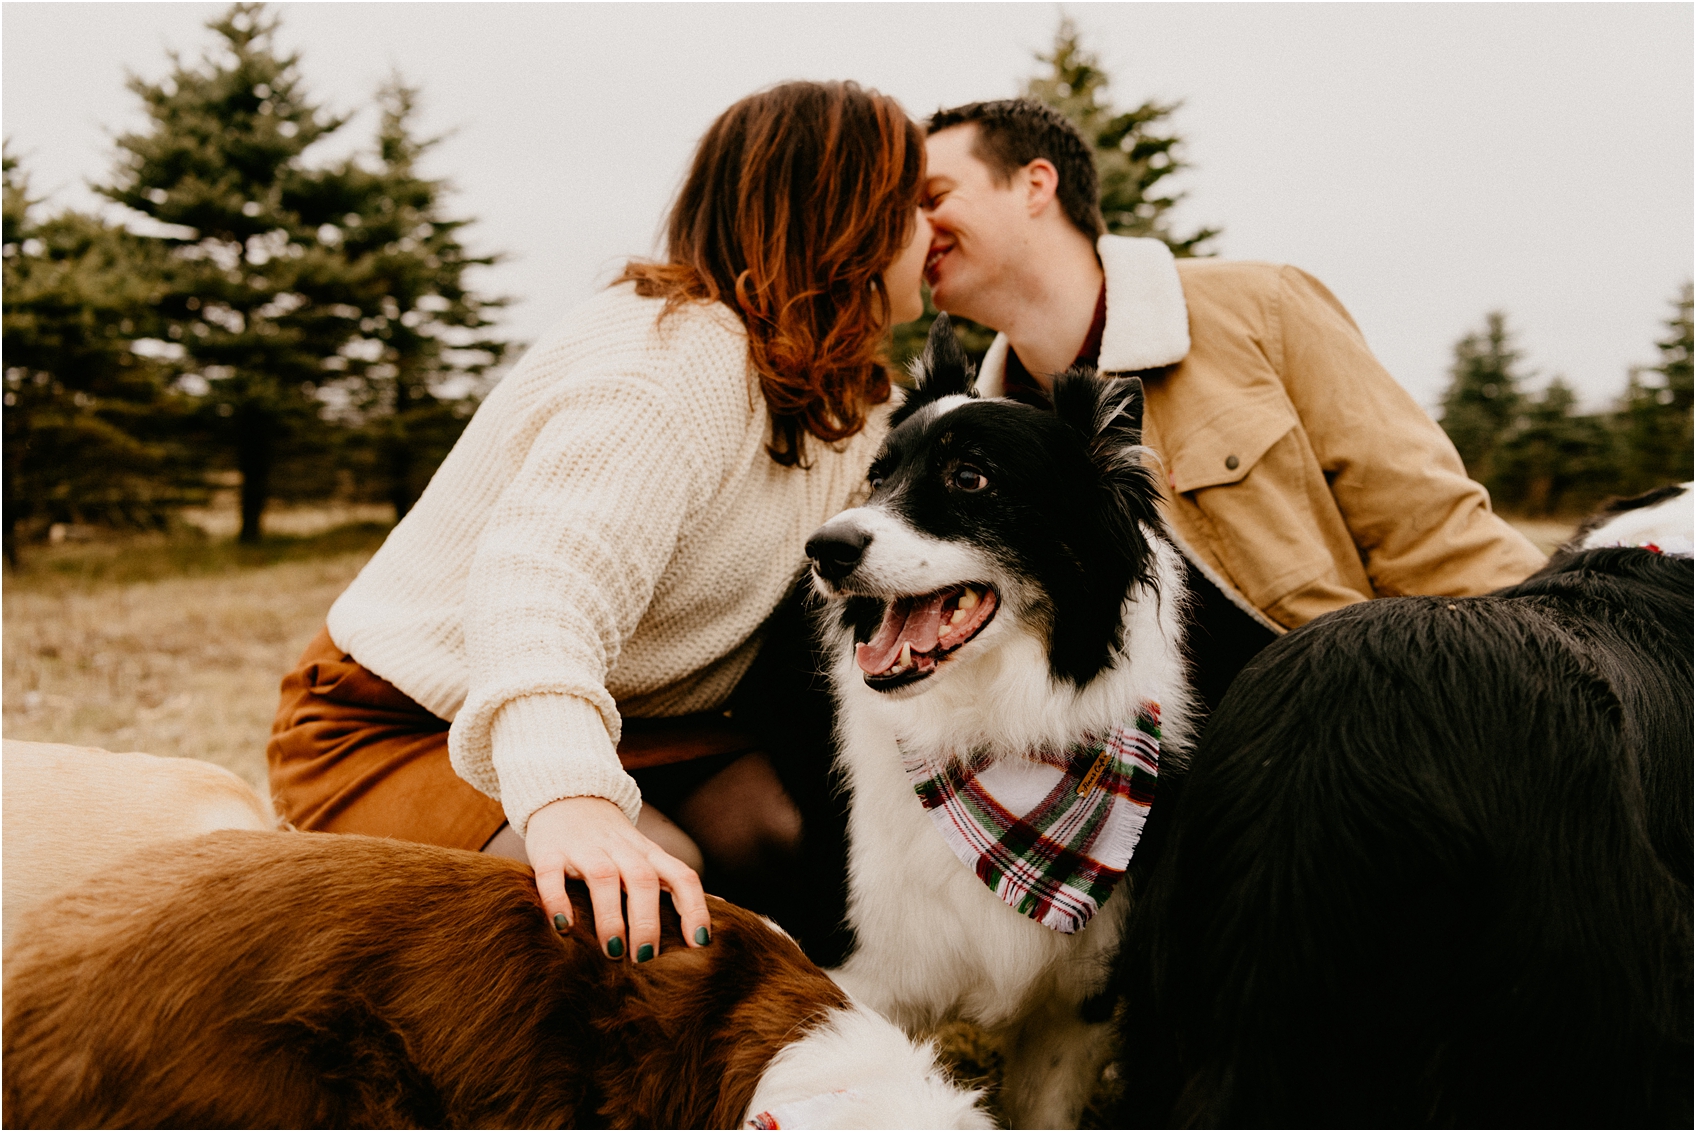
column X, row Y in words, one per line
column 551, row 746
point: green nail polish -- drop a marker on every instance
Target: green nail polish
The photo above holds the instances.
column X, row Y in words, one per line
column 560, row 922
column 644, row 953
column 701, row 937
column 615, row 948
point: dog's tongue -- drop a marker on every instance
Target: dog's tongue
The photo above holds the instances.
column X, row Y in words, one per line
column 910, row 620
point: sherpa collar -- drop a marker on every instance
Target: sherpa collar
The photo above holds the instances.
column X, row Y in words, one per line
column 1051, row 839
column 1148, row 323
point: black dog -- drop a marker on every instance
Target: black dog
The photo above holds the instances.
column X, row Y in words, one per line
column 1432, row 865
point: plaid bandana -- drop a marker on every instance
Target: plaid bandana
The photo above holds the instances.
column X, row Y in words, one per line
column 1051, row 839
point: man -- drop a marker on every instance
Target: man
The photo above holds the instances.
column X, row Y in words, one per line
column 1299, row 476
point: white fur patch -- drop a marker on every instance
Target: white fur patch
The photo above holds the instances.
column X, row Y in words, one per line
column 933, row 409
column 857, row 1070
column 1669, row 527
column 945, row 405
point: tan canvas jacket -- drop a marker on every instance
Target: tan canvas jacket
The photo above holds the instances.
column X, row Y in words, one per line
column 1300, row 476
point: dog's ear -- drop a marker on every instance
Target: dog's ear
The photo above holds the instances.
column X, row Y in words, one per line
column 1107, row 412
column 1121, row 505
column 943, row 370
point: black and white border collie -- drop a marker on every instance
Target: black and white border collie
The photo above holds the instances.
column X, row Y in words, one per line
column 1005, row 591
column 1431, row 864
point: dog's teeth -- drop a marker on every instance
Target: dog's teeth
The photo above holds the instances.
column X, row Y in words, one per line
column 960, row 614
column 906, row 660
column 968, row 600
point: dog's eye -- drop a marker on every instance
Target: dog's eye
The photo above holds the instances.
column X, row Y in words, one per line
column 970, row 479
column 875, row 479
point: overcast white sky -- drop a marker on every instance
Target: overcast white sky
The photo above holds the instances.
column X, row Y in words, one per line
column 1428, row 162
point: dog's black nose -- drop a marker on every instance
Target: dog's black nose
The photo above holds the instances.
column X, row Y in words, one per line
column 836, row 548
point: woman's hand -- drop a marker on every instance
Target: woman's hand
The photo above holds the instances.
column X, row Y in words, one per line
column 590, row 839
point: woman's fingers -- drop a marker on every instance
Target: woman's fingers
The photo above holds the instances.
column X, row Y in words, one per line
column 550, row 886
column 640, row 878
column 642, row 906
column 590, row 839
column 686, row 896
column 601, row 875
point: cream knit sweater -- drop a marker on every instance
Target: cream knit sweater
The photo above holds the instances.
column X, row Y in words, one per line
column 606, row 537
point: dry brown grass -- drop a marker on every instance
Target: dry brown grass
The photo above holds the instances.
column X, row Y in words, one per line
column 174, row 647
column 222, row 520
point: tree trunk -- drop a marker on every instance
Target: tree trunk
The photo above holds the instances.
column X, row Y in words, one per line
column 16, row 506
column 256, row 453
column 399, row 455
column 1540, row 493
column 400, row 475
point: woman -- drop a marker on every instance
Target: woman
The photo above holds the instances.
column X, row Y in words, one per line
column 580, row 587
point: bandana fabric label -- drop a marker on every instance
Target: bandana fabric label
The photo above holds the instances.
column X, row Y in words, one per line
column 1050, row 839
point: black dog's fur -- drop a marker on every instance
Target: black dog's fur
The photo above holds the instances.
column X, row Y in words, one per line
column 1432, row 866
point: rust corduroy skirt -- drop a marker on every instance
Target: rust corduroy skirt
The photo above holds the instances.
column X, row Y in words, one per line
column 352, row 753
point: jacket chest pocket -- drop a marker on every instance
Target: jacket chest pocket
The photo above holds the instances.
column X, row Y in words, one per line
column 1224, row 448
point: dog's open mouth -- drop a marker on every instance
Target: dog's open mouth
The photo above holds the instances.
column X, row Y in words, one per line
column 919, row 632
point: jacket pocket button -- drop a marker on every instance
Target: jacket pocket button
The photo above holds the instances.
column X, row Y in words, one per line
column 1231, row 463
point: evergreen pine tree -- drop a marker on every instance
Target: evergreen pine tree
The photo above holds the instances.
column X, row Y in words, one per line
column 256, row 298
column 413, row 372
column 1654, row 420
column 1676, row 355
column 92, row 431
column 1134, row 151
column 1483, row 399
column 1556, row 461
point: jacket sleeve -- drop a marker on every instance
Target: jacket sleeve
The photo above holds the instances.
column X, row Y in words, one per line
column 1421, row 525
column 562, row 574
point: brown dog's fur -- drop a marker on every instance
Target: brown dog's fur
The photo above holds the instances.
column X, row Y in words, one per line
column 308, row 980
column 71, row 812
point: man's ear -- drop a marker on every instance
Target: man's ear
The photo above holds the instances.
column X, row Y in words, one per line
column 1042, row 184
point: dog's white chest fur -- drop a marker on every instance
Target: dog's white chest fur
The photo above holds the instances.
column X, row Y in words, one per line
column 933, row 938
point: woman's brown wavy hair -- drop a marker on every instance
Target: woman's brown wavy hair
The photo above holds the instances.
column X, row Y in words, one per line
column 798, row 199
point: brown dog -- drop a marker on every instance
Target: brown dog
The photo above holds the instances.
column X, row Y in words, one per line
column 308, row 980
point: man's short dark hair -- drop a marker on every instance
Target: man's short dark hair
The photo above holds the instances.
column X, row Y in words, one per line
column 1013, row 132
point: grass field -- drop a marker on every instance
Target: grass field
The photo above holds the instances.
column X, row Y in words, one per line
column 171, row 646
column 175, row 646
